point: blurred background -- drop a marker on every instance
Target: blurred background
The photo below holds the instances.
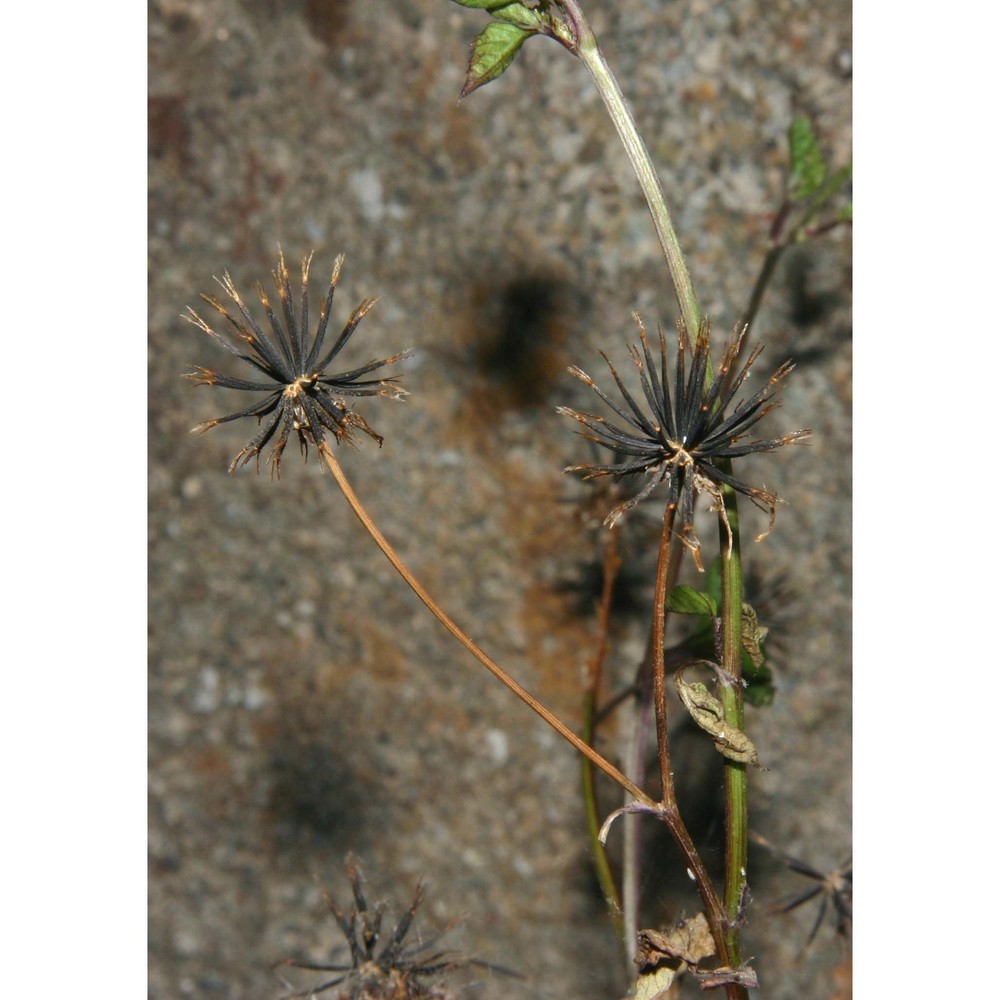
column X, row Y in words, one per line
column 303, row 705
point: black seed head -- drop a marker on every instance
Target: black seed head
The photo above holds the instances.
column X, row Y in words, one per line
column 687, row 427
column 295, row 392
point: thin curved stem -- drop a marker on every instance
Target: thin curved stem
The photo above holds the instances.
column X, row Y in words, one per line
column 612, row 561
column 530, row 700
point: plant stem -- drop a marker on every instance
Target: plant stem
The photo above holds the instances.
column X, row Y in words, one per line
column 757, row 296
column 605, row 878
column 670, row 814
column 533, row 703
column 586, row 47
column 657, row 663
column 731, row 696
column 584, row 44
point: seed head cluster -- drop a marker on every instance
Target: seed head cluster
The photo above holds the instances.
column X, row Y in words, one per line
column 297, row 395
column 689, row 426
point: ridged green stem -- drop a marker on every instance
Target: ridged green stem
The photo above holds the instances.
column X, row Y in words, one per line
column 731, row 696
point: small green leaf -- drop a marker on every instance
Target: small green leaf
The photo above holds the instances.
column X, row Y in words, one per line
column 517, row 13
column 808, row 168
column 492, row 52
column 831, row 186
column 759, row 691
column 685, row 600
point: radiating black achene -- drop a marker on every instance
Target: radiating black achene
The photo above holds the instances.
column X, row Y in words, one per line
column 297, row 393
column 688, row 427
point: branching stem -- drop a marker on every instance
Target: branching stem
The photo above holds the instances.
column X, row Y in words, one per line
column 723, row 924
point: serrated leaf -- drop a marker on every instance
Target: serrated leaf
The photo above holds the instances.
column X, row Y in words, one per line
column 808, row 168
column 517, row 13
column 507, row 10
column 492, row 52
column 685, row 600
column 708, row 714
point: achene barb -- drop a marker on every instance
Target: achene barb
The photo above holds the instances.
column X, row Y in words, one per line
column 686, row 429
column 298, row 395
column 836, row 887
column 399, row 971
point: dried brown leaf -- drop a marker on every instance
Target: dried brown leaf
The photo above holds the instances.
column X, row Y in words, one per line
column 708, row 713
column 690, row 942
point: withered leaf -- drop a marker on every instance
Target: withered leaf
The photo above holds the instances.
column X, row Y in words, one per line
column 752, row 635
column 654, row 985
column 708, row 713
column 690, row 942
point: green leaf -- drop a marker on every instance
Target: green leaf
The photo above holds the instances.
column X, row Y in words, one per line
column 517, row 13
column 808, row 168
column 686, row 600
column 832, row 185
column 492, row 52
column 760, row 686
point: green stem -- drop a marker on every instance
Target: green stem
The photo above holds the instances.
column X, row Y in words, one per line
column 584, row 44
column 602, row 867
column 731, row 696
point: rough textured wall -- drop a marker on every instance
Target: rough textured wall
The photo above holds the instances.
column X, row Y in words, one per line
column 303, row 705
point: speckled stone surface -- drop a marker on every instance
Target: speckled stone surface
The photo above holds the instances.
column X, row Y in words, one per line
column 303, row 705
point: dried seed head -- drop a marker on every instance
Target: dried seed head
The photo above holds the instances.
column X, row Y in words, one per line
column 685, row 429
column 297, row 394
column 399, row 970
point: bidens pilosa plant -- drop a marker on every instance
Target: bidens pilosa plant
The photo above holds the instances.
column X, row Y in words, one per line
column 680, row 434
